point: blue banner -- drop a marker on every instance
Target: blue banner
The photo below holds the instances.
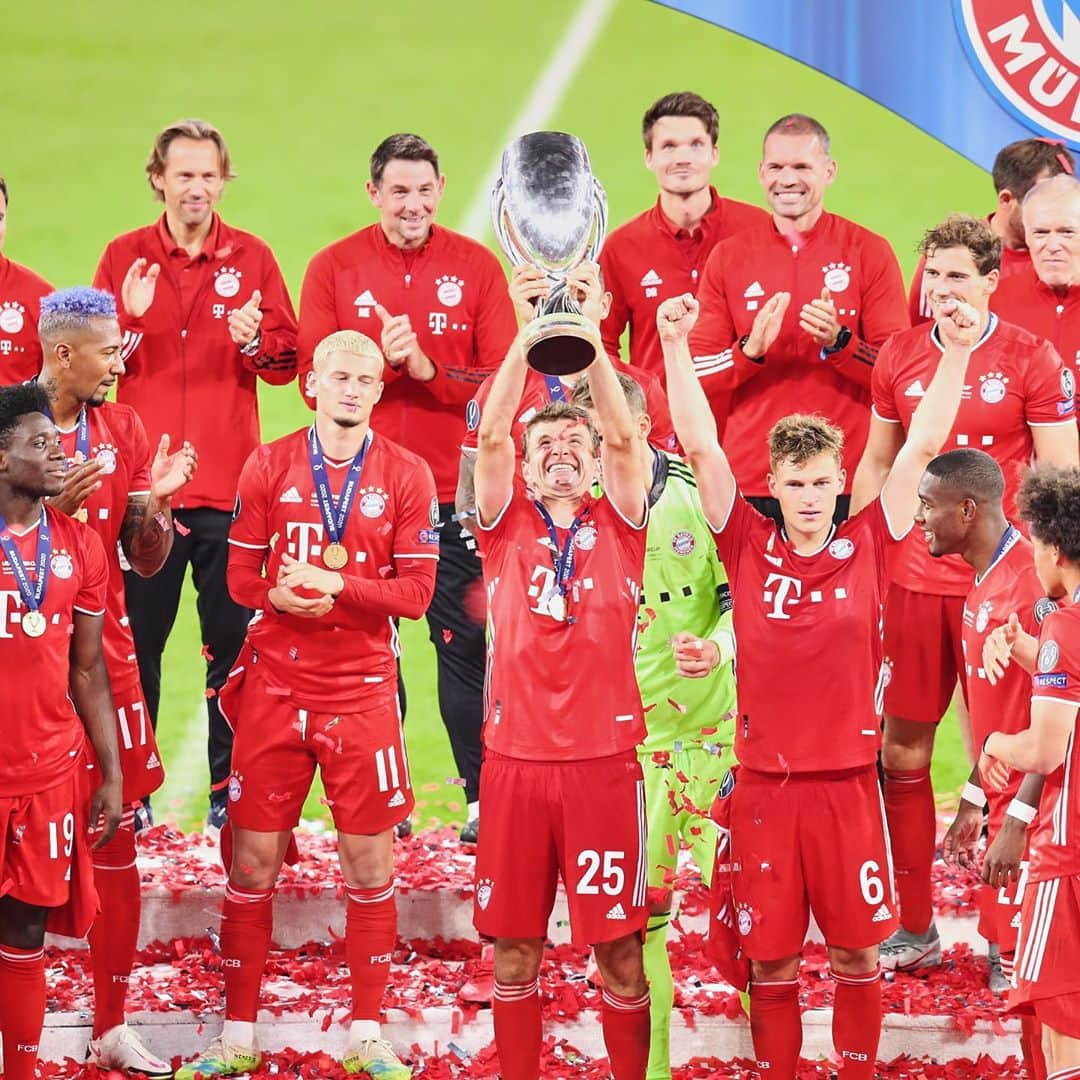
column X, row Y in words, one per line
column 975, row 74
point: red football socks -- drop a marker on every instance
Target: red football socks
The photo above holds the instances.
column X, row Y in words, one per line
column 1071, row 1073
column 516, row 1010
column 370, row 935
column 247, row 922
column 115, row 933
column 1031, row 1047
column 22, row 1009
column 626, row 1026
column 856, row 1025
column 776, row 1027
column 909, row 806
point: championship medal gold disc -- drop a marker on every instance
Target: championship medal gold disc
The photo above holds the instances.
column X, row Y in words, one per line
column 34, row 624
column 335, row 556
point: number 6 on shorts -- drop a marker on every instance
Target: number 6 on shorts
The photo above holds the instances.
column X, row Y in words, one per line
column 873, row 891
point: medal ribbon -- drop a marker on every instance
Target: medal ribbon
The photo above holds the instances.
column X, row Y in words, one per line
column 82, row 430
column 564, row 561
column 335, row 515
column 32, row 593
column 1006, row 539
column 555, row 389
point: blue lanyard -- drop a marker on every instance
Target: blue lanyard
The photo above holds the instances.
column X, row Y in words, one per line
column 335, row 515
column 555, row 389
column 564, row 561
column 82, row 431
column 32, row 593
column 1003, row 543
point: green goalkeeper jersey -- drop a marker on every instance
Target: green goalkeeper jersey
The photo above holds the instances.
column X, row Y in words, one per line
column 685, row 588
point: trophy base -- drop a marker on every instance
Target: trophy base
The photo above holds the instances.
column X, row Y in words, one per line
column 560, row 344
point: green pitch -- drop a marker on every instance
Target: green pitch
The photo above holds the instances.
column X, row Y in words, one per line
column 304, row 93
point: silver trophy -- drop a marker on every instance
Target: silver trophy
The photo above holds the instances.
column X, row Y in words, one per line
column 549, row 210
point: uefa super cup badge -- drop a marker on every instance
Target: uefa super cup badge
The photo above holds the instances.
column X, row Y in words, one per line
column 227, row 281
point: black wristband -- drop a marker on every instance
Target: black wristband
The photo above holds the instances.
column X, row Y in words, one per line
column 842, row 339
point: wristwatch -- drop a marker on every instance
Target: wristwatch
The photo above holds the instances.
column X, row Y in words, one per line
column 252, row 347
column 842, row 339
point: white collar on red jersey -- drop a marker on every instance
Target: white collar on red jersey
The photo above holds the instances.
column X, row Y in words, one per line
column 991, row 326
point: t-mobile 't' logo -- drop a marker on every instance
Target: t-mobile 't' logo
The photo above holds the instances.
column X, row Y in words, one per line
column 437, row 321
column 778, row 597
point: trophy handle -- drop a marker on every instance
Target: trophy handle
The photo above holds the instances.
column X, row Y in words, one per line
column 499, row 222
column 600, row 216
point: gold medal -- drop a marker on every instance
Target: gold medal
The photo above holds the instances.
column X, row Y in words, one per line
column 335, row 556
column 556, row 606
column 34, row 624
column 82, row 515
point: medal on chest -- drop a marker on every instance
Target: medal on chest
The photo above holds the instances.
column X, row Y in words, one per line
column 335, row 513
column 33, row 623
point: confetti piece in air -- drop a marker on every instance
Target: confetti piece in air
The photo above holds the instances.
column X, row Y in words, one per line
column 210, row 693
column 207, row 654
column 181, row 528
column 455, row 781
column 447, row 635
column 670, row 841
column 676, row 706
column 709, row 730
column 661, row 757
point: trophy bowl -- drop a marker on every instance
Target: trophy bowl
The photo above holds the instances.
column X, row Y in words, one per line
column 550, row 211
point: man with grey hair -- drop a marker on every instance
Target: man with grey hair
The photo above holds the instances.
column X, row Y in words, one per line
column 1045, row 297
column 333, row 540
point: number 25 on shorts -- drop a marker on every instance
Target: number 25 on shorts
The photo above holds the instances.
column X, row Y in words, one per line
column 612, row 876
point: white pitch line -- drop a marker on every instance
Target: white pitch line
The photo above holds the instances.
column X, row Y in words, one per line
column 569, row 54
column 187, row 774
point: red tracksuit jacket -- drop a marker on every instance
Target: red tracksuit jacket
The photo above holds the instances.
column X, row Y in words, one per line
column 185, row 375
column 455, row 294
column 21, row 291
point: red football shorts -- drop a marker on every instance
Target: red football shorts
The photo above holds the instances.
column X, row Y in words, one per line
column 45, row 853
column 924, row 651
column 140, row 762
column 361, row 758
column 814, row 842
column 583, row 820
column 1047, row 973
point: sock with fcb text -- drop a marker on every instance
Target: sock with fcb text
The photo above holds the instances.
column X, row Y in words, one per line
column 247, row 921
column 1031, row 1047
column 22, row 1009
column 370, row 936
column 909, row 807
column 114, row 935
column 626, row 1022
column 776, row 1027
column 856, row 1026
column 516, row 1011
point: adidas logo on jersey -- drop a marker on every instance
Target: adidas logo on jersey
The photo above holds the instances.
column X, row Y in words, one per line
column 397, row 799
column 153, row 761
column 291, row 496
column 753, row 290
column 916, row 389
column 364, row 303
column 652, row 278
column 883, row 914
column 616, row 913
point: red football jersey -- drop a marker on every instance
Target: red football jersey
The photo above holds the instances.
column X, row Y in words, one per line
column 21, row 291
column 1013, row 261
column 1014, row 381
column 862, row 274
column 43, row 736
column 455, row 294
column 1054, row 314
column 809, row 672
column 185, row 374
column 562, row 689
column 1010, row 585
column 330, row 664
column 118, row 438
column 536, row 395
column 649, row 259
column 1055, row 845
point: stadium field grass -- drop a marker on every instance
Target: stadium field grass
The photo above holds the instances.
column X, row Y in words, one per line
column 304, row 94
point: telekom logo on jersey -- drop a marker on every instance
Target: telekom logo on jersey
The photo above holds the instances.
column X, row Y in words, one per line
column 9, row 603
column 778, row 597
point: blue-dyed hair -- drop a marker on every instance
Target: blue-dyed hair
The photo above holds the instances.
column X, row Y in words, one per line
column 72, row 309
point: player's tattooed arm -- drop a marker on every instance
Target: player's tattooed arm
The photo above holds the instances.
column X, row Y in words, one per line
column 91, row 694
column 146, row 533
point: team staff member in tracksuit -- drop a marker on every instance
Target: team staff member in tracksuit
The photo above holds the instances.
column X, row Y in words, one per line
column 437, row 303
column 205, row 314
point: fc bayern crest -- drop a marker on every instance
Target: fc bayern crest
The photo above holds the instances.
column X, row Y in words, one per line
column 106, row 458
column 449, row 290
column 1027, row 54
column 235, row 789
column 227, row 282
column 982, row 616
column 585, row 538
column 60, row 564
column 11, row 317
column 372, row 504
column 842, row 548
column 746, row 921
column 683, row 542
column 483, row 893
column 993, row 387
